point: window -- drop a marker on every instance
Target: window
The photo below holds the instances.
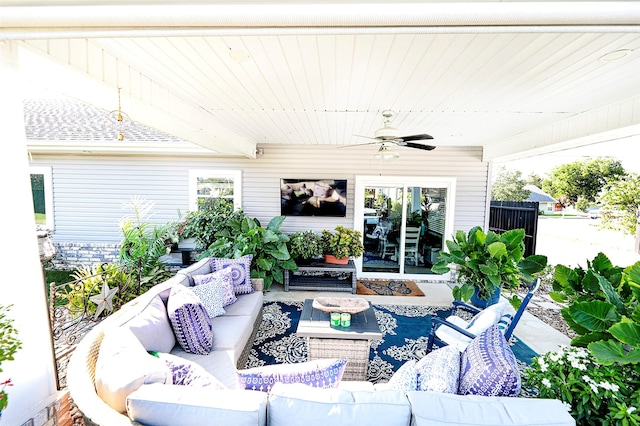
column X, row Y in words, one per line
column 207, row 187
column 42, row 192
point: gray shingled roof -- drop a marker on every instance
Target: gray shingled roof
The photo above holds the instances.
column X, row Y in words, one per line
column 538, row 195
column 72, row 120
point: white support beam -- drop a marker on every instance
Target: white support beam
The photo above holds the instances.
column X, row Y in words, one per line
column 611, row 122
column 82, row 70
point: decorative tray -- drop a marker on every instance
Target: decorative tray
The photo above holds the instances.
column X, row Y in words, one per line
column 352, row 305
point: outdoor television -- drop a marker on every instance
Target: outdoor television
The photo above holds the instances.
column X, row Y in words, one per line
column 313, row 197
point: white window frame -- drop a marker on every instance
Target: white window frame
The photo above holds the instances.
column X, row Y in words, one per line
column 236, row 175
column 404, row 182
column 48, row 194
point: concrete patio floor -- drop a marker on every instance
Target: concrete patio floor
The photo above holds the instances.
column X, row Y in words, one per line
column 536, row 334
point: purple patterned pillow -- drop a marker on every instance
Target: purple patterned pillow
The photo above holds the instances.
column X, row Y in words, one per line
column 226, row 280
column 240, row 271
column 188, row 373
column 322, row 373
column 439, row 371
column 190, row 321
column 489, row 367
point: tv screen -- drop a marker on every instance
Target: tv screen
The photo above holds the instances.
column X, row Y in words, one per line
column 313, row 197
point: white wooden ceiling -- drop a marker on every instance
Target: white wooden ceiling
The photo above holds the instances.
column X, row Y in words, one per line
column 513, row 89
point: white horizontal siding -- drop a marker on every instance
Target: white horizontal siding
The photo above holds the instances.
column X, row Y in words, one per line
column 90, row 192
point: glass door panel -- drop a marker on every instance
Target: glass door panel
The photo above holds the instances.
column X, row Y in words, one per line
column 382, row 228
column 424, row 228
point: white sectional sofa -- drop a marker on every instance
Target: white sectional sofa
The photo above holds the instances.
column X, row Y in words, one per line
column 115, row 351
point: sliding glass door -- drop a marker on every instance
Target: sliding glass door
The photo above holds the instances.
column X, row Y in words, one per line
column 404, row 222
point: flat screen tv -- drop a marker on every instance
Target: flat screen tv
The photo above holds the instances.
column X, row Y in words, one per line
column 313, row 197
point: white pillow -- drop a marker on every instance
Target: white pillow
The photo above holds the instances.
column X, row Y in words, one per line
column 479, row 323
column 486, row 318
column 123, row 366
column 152, row 327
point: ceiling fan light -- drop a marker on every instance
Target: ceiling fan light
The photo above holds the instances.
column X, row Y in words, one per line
column 387, row 132
column 385, row 154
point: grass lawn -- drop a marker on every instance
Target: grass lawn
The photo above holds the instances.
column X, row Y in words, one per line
column 58, row 276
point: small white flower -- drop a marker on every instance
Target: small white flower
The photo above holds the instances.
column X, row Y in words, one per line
column 631, row 410
column 546, row 382
column 609, row 386
column 594, row 387
column 578, row 365
column 567, row 406
column 587, row 379
column 555, row 356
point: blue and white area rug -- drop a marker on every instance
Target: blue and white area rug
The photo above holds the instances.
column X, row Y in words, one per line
column 405, row 331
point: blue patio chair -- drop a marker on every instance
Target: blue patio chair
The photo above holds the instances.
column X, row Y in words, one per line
column 460, row 332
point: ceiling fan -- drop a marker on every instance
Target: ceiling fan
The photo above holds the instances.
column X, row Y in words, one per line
column 388, row 136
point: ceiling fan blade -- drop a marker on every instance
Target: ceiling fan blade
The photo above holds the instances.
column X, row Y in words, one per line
column 358, row 144
column 419, row 146
column 415, row 137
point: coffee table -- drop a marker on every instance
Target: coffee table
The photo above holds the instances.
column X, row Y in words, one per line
column 327, row 341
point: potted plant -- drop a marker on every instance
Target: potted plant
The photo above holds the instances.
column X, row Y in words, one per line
column 305, row 245
column 9, row 345
column 340, row 244
column 487, row 263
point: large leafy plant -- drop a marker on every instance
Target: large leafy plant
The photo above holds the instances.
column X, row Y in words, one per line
column 342, row 242
column 488, row 261
column 267, row 245
column 603, row 308
column 210, row 219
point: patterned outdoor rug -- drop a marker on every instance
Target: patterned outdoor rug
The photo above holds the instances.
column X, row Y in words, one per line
column 388, row 288
column 404, row 336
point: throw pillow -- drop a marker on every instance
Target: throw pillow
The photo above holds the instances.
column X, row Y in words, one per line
column 190, row 321
column 322, row 373
column 486, row 318
column 406, row 378
column 320, row 190
column 489, row 367
column 226, row 285
column 439, row 371
column 188, row 373
column 152, row 327
column 240, row 272
column 123, row 365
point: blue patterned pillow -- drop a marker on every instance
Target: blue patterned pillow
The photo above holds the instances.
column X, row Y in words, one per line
column 188, row 373
column 219, row 282
column 439, row 371
column 322, row 373
column 406, row 378
column 240, row 272
column 489, row 366
column 190, row 321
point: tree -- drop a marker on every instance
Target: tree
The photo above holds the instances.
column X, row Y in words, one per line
column 620, row 203
column 509, row 186
column 582, row 179
column 534, row 179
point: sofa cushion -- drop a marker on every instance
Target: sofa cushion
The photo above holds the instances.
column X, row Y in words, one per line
column 246, row 304
column 323, row 373
column 240, row 270
column 186, row 405
column 406, row 378
column 438, row 409
column 190, row 321
column 201, row 267
column 123, row 365
column 297, row 404
column 152, row 327
column 188, row 373
column 488, row 366
column 225, row 288
column 439, row 371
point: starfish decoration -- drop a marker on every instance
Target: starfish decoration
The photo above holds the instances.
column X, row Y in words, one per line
column 104, row 300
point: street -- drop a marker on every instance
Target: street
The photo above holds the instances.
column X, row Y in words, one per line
column 573, row 240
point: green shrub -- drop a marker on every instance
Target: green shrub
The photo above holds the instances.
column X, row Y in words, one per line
column 305, row 245
column 267, row 245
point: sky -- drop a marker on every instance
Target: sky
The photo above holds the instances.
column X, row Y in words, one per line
column 626, row 150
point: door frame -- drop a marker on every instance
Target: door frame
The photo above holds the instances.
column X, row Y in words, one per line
column 362, row 181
